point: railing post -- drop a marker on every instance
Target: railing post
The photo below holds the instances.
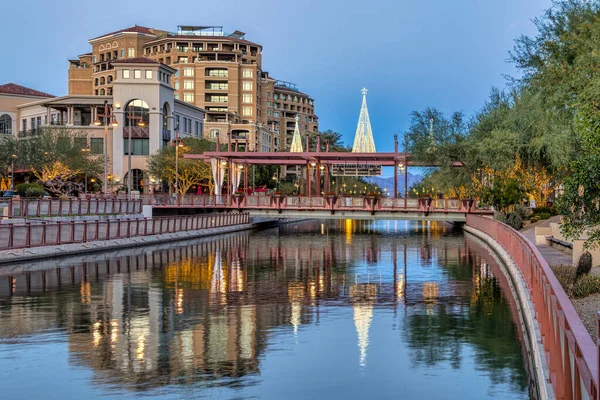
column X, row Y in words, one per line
column 58, row 232
column 43, row 240
column 28, row 235
column 84, row 236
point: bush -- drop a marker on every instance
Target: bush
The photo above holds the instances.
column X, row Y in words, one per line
column 585, row 286
column 535, row 219
column 30, row 190
column 500, row 216
column 565, row 275
column 514, row 220
column 544, row 215
column 584, row 266
column 523, row 211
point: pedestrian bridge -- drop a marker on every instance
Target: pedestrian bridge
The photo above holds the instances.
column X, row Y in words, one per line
column 331, row 207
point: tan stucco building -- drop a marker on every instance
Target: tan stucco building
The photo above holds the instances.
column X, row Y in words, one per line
column 221, row 73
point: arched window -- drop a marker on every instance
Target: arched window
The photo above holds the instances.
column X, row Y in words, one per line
column 137, row 110
column 101, row 92
column 138, row 180
column 166, row 114
column 102, row 80
column 214, row 133
column 5, row 124
column 109, row 79
column 96, row 82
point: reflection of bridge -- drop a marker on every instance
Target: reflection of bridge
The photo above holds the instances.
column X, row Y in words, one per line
column 336, row 207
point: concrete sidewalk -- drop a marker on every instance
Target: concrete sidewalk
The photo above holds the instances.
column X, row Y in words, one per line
column 552, row 255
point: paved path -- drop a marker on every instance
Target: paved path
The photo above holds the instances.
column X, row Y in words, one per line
column 552, row 255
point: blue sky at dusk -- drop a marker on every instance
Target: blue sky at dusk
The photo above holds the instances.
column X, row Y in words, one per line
column 410, row 54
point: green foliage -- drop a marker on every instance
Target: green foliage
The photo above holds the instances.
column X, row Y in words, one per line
column 514, row 220
column 541, row 210
column 543, row 215
column 585, row 286
column 30, row 190
column 534, row 219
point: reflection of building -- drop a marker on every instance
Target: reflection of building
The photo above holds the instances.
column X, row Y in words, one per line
column 221, row 72
column 141, row 104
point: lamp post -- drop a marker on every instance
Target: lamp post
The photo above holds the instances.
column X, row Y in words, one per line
column 97, row 122
column 86, row 150
column 12, row 171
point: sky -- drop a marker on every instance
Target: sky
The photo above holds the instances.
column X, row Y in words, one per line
column 410, row 54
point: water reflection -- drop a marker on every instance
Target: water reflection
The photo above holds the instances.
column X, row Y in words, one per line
column 214, row 315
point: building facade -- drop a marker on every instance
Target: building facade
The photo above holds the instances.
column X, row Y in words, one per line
column 141, row 107
column 221, row 73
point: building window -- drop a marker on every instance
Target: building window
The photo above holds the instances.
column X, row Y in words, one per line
column 276, row 114
column 125, row 74
column 218, row 99
column 139, row 147
column 188, row 72
column 196, row 128
column 268, row 104
column 276, row 96
column 176, row 85
column 269, row 95
column 189, row 97
column 39, row 121
column 176, row 72
column 102, row 92
column 247, row 86
column 148, row 74
column 122, row 53
column 218, row 86
column 109, row 79
column 5, row 124
column 246, row 110
column 176, row 96
column 214, row 133
column 189, row 126
column 185, row 123
column 138, row 110
column 177, row 122
column 182, row 60
column 247, row 98
column 137, row 74
column 130, row 52
column 247, row 73
column 97, row 145
column 269, row 113
column 188, row 84
column 218, row 72
column 95, row 81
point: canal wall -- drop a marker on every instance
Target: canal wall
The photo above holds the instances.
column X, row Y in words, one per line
column 537, row 364
column 33, row 253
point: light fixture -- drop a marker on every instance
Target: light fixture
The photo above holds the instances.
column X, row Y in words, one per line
column 312, row 163
column 117, row 106
column 241, row 167
column 97, row 122
column 223, row 163
column 141, row 123
column 114, row 122
column 322, row 167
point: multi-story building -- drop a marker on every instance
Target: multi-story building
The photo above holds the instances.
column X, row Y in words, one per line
column 141, row 106
column 222, row 73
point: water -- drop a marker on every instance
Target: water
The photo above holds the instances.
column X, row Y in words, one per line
column 317, row 310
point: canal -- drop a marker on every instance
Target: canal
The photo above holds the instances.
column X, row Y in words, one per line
column 314, row 310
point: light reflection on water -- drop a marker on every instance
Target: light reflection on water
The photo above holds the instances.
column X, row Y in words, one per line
column 325, row 309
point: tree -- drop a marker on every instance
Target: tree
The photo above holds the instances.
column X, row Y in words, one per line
column 191, row 172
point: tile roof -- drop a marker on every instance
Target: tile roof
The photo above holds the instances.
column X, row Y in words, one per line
column 136, row 29
column 13, row 88
column 137, row 60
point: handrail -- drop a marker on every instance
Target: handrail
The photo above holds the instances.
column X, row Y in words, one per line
column 35, row 234
column 30, row 207
column 570, row 351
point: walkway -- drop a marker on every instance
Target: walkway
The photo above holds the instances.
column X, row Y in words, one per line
column 552, row 255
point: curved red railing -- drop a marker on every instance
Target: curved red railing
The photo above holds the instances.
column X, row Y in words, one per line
column 570, row 351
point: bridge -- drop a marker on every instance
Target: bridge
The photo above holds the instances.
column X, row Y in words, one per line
column 328, row 207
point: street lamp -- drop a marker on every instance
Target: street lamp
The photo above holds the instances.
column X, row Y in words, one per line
column 177, row 143
column 114, row 123
column 12, row 171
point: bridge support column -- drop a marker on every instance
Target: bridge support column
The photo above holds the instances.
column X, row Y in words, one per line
column 318, row 178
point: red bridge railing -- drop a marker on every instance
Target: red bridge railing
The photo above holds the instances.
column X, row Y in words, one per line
column 333, row 203
column 39, row 233
column 570, row 351
column 59, row 207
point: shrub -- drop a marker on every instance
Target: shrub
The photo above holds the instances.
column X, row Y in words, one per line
column 565, row 275
column 541, row 210
column 523, row 211
column 500, row 216
column 30, row 190
column 534, row 219
column 514, row 220
column 584, row 266
column 585, row 286
column 544, row 215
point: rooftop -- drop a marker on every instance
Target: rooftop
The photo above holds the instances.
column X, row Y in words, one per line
column 13, row 88
column 133, row 29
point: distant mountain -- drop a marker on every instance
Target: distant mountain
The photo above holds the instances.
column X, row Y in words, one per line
column 389, row 182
